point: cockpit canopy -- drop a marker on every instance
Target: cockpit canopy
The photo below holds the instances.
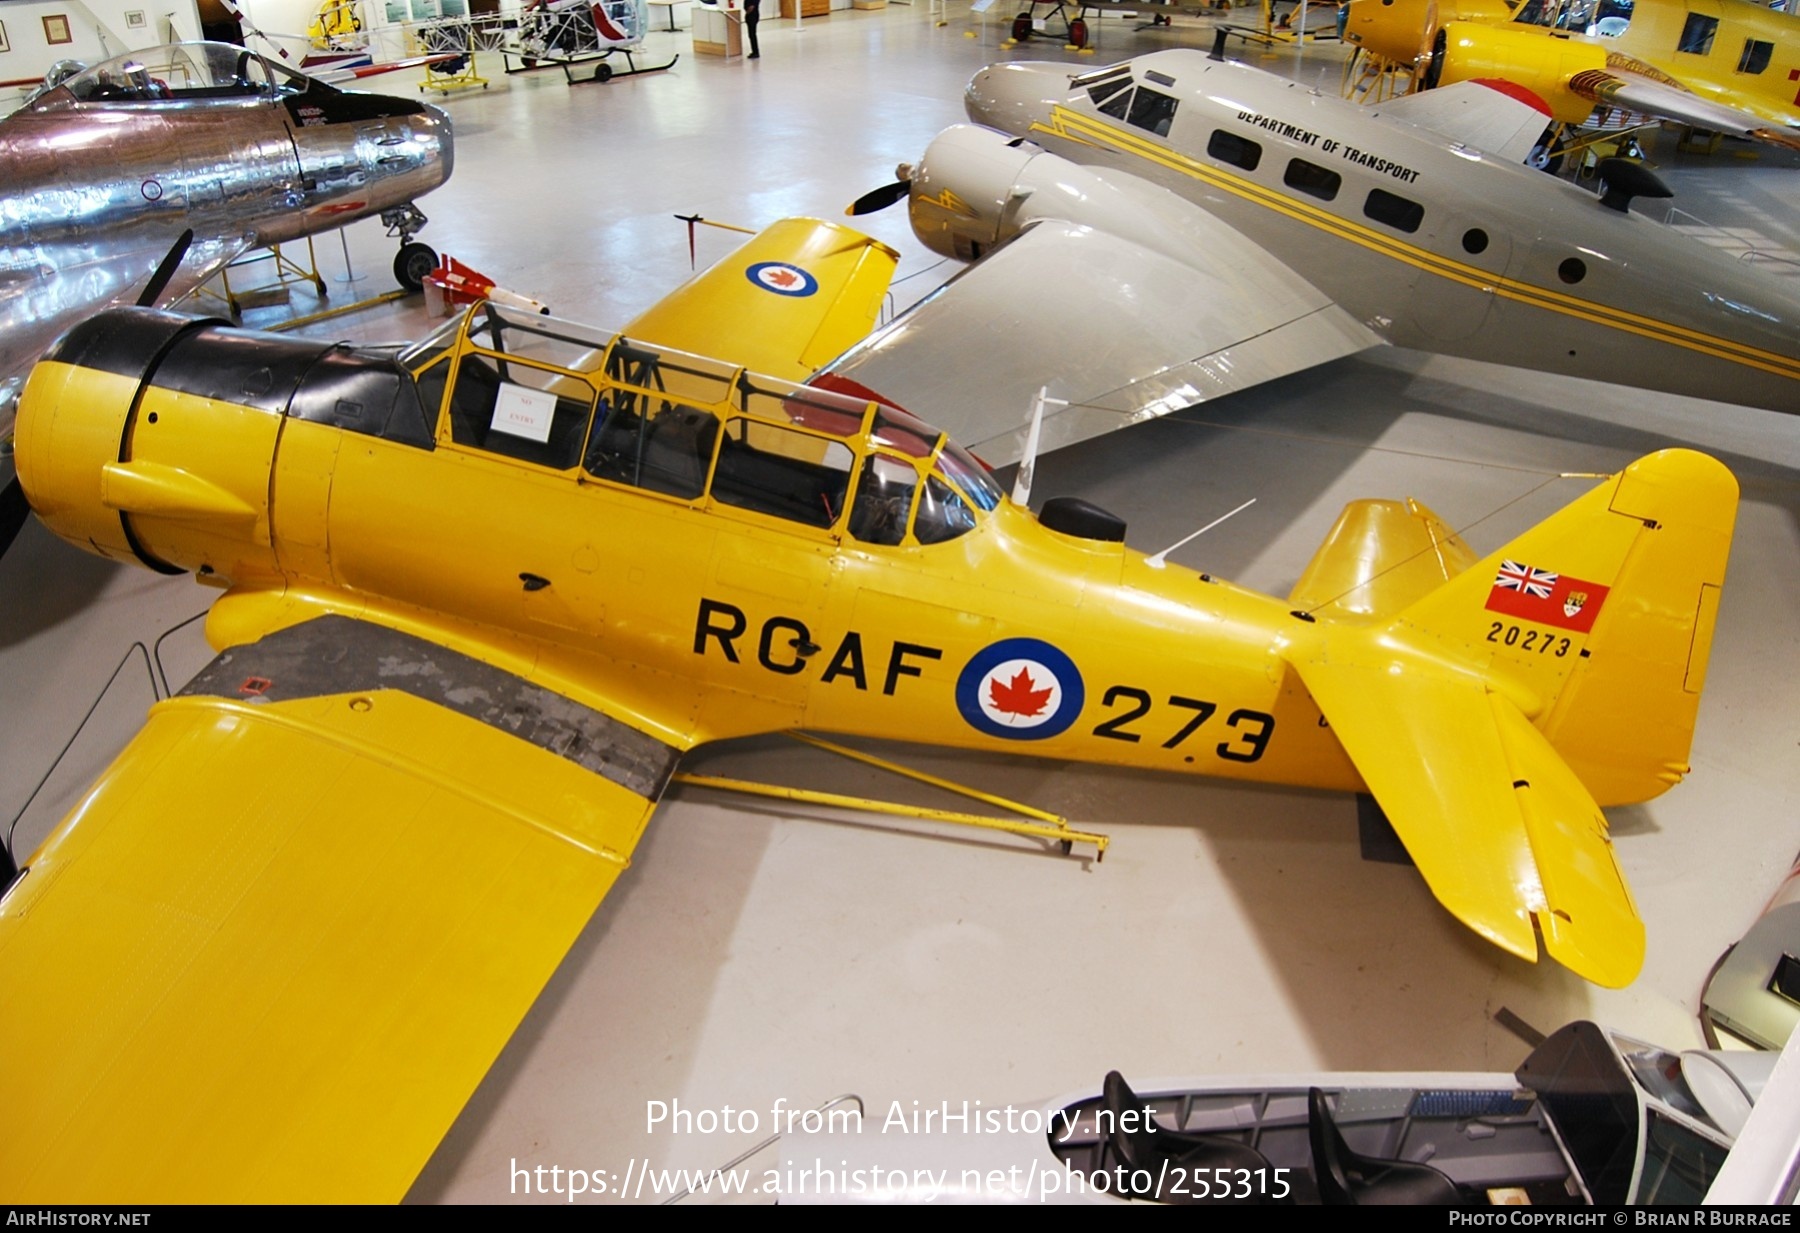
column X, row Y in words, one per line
column 560, row 396
column 177, row 72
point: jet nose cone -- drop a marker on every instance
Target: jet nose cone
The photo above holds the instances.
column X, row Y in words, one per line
column 444, row 133
column 1011, row 97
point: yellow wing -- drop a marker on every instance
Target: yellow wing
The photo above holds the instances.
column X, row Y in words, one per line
column 793, row 298
column 273, row 951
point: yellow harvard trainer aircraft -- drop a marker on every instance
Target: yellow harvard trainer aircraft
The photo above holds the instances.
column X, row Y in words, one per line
column 479, row 596
column 1729, row 66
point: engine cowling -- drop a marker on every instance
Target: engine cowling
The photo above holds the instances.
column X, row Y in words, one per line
column 1404, row 30
column 1541, row 62
column 965, row 191
column 151, row 437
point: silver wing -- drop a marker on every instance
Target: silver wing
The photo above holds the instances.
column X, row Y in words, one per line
column 1125, row 301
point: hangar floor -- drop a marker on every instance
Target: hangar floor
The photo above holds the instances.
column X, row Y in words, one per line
column 762, row 953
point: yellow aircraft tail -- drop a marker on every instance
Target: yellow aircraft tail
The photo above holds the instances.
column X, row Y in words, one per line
column 1598, row 621
column 1491, row 717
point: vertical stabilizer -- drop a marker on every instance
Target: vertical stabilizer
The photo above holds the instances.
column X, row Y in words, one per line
column 1598, row 621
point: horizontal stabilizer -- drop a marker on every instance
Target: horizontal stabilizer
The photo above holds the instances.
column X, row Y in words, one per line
column 1504, row 834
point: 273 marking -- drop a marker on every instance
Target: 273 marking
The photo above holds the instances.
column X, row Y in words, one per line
column 1252, row 729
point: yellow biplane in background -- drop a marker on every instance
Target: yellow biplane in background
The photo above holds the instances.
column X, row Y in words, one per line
column 481, row 595
column 1727, row 66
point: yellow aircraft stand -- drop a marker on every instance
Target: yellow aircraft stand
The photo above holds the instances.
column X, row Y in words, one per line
column 466, row 78
column 1369, row 78
column 276, row 290
column 1321, row 23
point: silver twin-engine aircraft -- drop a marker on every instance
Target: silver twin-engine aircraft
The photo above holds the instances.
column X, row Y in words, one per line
column 1154, row 234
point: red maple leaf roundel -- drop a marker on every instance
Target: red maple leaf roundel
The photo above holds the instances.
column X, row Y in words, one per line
column 781, row 278
column 1017, row 697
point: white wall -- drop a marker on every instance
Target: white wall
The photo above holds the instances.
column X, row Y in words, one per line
column 98, row 31
column 288, row 20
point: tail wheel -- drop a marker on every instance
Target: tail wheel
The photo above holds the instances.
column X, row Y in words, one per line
column 1022, row 27
column 1078, row 32
column 412, row 263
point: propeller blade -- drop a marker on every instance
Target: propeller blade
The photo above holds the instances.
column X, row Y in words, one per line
column 880, row 199
column 13, row 509
column 164, row 272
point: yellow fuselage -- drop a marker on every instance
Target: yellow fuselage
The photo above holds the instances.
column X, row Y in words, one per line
column 730, row 619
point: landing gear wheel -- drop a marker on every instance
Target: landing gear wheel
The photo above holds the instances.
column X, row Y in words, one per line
column 1078, row 32
column 603, row 73
column 412, row 264
column 1068, row 846
column 1547, row 154
column 1022, row 27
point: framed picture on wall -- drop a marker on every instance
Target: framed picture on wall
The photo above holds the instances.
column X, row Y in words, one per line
column 56, row 29
column 134, row 19
column 4, row 45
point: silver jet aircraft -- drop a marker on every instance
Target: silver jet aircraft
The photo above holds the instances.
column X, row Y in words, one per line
column 102, row 174
column 1157, row 233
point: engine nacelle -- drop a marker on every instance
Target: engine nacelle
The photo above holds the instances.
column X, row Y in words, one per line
column 1404, row 30
column 1464, row 51
column 976, row 188
column 964, row 197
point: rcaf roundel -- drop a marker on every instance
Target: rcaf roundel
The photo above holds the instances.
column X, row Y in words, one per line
column 782, row 278
column 1020, row 689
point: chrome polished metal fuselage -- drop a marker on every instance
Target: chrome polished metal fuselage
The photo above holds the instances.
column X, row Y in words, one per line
column 100, row 180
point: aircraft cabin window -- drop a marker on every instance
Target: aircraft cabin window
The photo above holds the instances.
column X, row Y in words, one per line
column 1572, row 270
column 1679, row 1164
column 1118, row 106
column 1756, row 56
column 1394, row 211
column 897, row 431
column 884, row 496
column 1475, row 240
column 943, row 515
column 431, row 385
column 1230, row 148
column 652, row 443
column 782, row 473
column 511, row 409
column 1152, row 111
column 1697, row 34
column 1611, row 18
column 1107, row 89
column 645, row 434
column 1312, row 179
column 977, row 484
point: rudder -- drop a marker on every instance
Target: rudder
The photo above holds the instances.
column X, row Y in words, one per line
column 1597, row 622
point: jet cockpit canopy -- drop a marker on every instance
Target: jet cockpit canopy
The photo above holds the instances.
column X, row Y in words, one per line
column 174, row 73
